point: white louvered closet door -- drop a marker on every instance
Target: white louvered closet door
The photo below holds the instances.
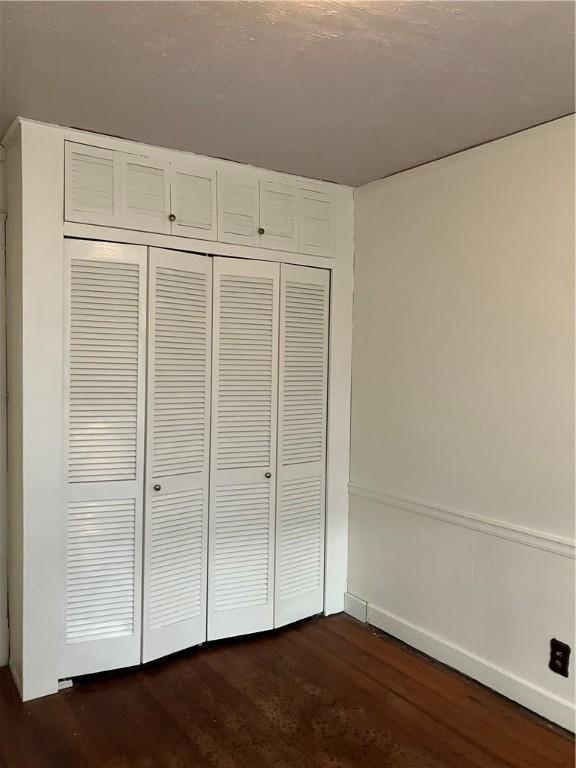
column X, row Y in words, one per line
column 300, row 501
column 177, row 462
column 243, row 463
column 105, row 335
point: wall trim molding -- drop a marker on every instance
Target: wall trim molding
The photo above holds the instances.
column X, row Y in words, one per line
column 557, row 545
column 15, row 676
column 355, row 606
column 531, row 696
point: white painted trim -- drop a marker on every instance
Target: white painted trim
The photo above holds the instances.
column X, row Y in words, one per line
column 356, row 607
column 15, row 676
column 546, row 704
column 4, row 643
column 194, row 245
column 529, row 537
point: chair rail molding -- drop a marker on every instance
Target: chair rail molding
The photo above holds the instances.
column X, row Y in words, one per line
column 557, row 545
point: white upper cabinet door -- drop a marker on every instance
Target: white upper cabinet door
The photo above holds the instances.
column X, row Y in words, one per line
column 104, row 407
column 178, row 454
column 193, row 198
column 243, row 464
column 278, row 216
column 302, row 414
column 316, row 225
column 92, row 185
column 238, row 207
column 145, row 194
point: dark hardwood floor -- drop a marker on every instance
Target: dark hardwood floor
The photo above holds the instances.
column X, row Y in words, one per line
column 327, row 693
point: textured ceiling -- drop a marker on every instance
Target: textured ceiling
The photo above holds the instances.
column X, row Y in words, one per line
column 343, row 91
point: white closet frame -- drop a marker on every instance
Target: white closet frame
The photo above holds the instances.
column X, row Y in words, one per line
column 35, row 312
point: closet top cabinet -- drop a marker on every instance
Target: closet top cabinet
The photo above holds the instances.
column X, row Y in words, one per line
column 180, row 194
column 160, row 192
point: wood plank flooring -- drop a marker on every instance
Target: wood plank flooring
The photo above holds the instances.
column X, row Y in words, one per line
column 326, row 693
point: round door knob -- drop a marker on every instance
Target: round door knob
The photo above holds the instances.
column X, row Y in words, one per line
column 157, row 487
column 261, row 230
column 268, row 475
column 172, row 217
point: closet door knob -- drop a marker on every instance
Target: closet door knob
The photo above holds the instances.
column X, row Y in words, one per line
column 261, row 230
column 268, row 475
column 157, row 487
column 172, row 217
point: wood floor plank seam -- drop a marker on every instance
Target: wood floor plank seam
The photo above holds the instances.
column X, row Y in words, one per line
column 325, row 693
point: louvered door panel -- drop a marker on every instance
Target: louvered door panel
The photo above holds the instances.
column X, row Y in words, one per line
column 244, row 397
column 316, row 224
column 278, row 217
column 238, row 208
column 193, row 199
column 92, row 185
column 104, row 371
column 100, row 570
column 145, row 194
column 302, row 414
column 179, row 357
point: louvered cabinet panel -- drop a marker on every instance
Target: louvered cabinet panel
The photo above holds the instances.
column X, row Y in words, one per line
column 179, row 359
column 278, row 216
column 193, row 199
column 92, row 185
column 145, row 194
column 238, row 208
column 302, row 417
column 316, row 211
column 244, row 397
column 104, row 458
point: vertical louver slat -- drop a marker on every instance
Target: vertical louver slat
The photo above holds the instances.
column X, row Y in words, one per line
column 180, row 372
column 176, row 558
column 103, row 371
column 100, row 599
column 300, row 537
column 246, row 369
column 305, row 326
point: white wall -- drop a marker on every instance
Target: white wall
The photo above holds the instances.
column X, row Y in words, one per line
column 462, row 476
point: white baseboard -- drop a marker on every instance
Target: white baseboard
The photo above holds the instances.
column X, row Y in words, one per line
column 542, row 702
column 4, row 643
column 356, row 607
column 15, row 677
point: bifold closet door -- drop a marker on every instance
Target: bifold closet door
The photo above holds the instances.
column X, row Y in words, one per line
column 243, row 463
column 104, row 370
column 177, row 453
column 302, row 413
